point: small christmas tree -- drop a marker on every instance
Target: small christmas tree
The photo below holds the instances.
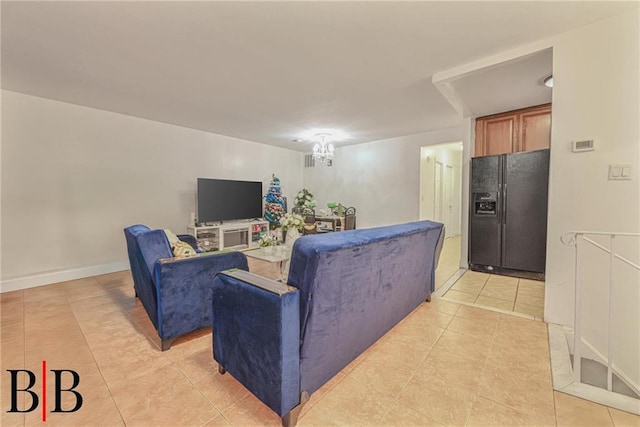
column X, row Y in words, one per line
column 274, row 203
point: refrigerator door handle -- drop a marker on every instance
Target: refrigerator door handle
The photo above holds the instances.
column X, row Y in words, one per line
column 504, row 204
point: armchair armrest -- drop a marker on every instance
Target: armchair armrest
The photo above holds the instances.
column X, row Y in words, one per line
column 256, row 336
column 183, row 288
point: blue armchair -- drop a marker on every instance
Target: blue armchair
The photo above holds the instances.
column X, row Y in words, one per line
column 176, row 293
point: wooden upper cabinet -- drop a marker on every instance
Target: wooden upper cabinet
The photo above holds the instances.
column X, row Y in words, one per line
column 499, row 135
column 535, row 129
column 520, row 130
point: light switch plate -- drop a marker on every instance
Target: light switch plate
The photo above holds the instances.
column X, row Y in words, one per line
column 619, row 172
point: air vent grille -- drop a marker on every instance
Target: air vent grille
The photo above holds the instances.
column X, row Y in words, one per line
column 309, row 161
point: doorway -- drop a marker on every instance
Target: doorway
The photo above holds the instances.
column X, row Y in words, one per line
column 441, row 200
column 441, row 185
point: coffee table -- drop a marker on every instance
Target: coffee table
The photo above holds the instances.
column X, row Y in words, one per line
column 278, row 254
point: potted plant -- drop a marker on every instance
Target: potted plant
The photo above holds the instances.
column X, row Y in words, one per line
column 304, row 199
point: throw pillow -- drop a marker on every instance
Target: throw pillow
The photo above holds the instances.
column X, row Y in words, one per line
column 171, row 237
column 182, row 249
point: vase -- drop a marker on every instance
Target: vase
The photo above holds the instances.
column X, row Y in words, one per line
column 292, row 235
column 267, row 250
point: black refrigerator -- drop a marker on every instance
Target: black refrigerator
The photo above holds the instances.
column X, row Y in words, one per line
column 508, row 218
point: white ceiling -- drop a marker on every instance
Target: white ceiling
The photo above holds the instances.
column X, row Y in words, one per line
column 269, row 71
column 507, row 86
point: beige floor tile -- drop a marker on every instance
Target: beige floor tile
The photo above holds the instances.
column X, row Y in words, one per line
column 10, row 330
column 513, row 356
column 350, row 402
column 522, row 333
column 502, row 290
column 222, row 391
column 520, row 389
column 400, row 348
column 11, row 419
column 468, row 287
column 469, row 312
column 451, row 368
column 573, row 411
column 434, row 398
column 531, row 287
column 12, row 354
column 470, row 274
column 98, row 408
column 429, row 316
column 482, row 329
column 495, row 302
column 251, row 412
column 219, row 421
column 459, row 296
column 624, row 419
column 530, row 299
column 385, row 373
column 444, row 306
column 117, row 277
column 199, row 365
column 485, row 412
column 400, row 415
column 531, row 283
column 532, row 310
column 497, row 278
column 470, row 348
column 188, row 344
column 97, row 327
column 168, row 399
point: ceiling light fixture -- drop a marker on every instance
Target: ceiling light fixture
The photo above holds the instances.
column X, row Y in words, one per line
column 548, row 81
column 323, row 151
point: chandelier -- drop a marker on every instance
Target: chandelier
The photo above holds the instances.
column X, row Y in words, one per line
column 323, row 152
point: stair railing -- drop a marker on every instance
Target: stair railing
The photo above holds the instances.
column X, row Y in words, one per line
column 577, row 239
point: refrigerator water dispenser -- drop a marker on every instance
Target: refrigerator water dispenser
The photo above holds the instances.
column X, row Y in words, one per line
column 484, row 204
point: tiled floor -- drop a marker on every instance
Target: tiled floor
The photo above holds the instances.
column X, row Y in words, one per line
column 506, row 293
column 449, row 261
column 445, row 364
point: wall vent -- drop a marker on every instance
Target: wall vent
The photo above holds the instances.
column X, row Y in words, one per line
column 309, row 161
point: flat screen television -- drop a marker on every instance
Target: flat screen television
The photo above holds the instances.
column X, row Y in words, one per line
column 223, row 200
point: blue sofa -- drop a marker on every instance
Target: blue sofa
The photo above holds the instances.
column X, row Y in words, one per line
column 345, row 290
column 176, row 293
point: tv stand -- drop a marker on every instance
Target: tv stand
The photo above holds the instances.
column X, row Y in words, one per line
column 237, row 235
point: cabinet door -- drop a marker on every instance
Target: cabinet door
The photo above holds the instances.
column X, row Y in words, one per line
column 535, row 129
column 499, row 135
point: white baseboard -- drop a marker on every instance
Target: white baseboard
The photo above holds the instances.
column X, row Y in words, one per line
column 32, row 281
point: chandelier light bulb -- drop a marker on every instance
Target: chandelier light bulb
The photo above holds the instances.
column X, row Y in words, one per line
column 322, row 151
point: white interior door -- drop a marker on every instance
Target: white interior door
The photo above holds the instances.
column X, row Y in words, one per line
column 447, row 198
column 437, row 193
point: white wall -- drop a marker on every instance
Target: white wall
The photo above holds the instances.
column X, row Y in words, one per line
column 596, row 95
column 73, row 177
column 380, row 179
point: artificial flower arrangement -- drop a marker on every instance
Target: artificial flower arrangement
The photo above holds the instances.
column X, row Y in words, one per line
column 266, row 241
column 304, row 199
column 290, row 220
